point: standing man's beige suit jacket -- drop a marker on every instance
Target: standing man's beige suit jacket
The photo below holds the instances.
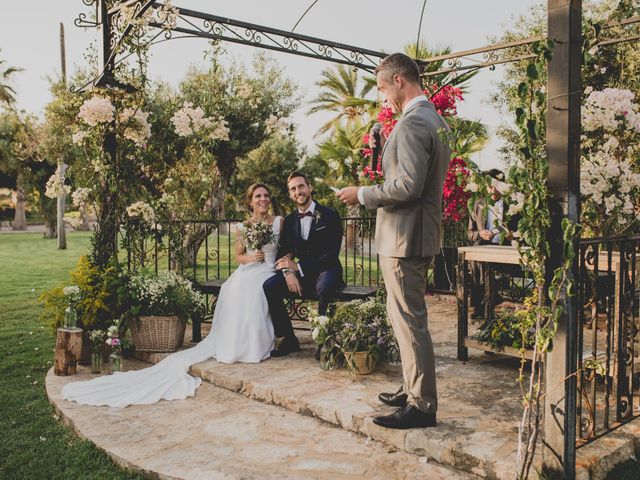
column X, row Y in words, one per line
column 409, row 203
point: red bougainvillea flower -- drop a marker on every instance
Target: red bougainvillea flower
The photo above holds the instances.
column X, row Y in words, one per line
column 445, row 99
column 454, row 195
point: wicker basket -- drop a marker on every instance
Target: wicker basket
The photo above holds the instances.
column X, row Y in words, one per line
column 157, row 334
column 360, row 363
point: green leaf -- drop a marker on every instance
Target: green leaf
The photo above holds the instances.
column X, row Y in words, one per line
column 523, row 90
column 532, row 71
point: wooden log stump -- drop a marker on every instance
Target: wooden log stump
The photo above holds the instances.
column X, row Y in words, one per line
column 68, row 350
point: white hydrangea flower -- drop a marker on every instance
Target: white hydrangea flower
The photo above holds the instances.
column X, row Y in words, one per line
column 97, row 110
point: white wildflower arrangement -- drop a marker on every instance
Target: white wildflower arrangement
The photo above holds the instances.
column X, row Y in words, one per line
column 97, row 338
column 96, row 110
column 256, row 234
column 164, row 294
column 72, row 294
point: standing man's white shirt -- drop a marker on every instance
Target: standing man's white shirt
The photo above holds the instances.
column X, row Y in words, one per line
column 410, row 103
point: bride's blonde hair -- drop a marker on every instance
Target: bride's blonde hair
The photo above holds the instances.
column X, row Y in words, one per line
column 249, row 195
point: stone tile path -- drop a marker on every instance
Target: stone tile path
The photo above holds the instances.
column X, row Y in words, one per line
column 291, row 429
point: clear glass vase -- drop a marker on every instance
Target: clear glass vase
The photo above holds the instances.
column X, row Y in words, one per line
column 96, row 362
column 115, row 362
column 70, row 317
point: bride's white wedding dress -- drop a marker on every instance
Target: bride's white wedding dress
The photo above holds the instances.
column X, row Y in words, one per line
column 242, row 331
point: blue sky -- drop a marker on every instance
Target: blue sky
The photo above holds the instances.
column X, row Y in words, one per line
column 29, row 39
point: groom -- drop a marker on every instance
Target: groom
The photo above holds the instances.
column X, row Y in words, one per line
column 312, row 234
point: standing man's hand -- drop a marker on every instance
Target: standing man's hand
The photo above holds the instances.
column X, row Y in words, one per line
column 349, row 195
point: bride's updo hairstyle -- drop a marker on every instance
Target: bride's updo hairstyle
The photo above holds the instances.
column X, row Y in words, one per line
column 249, row 195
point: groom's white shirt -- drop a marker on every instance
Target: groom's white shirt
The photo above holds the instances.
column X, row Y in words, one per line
column 305, row 223
column 305, row 227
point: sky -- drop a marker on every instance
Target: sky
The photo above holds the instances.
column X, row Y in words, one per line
column 29, row 39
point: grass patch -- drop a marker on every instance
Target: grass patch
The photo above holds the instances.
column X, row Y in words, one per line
column 36, row 444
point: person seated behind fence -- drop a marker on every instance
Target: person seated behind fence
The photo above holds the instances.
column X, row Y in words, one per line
column 485, row 228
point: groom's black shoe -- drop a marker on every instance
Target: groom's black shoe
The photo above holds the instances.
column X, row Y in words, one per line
column 287, row 346
column 397, row 399
column 405, row 418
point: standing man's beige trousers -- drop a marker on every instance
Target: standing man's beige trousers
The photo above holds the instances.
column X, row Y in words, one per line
column 405, row 281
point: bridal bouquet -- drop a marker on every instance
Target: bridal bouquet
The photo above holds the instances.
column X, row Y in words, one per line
column 256, row 234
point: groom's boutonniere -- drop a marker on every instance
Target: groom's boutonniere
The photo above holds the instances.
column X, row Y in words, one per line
column 317, row 216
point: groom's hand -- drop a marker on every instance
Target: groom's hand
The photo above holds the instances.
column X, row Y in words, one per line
column 286, row 263
column 293, row 284
column 349, row 195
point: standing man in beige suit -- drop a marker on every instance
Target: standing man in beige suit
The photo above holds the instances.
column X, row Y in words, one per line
column 409, row 214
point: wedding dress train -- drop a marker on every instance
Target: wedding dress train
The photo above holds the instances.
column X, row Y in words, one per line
column 242, row 331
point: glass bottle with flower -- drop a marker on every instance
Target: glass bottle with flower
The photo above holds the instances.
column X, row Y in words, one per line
column 113, row 340
column 72, row 297
column 97, row 340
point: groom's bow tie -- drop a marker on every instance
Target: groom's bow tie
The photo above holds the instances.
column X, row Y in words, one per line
column 305, row 214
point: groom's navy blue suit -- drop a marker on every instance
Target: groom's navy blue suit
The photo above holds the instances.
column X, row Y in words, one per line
column 319, row 258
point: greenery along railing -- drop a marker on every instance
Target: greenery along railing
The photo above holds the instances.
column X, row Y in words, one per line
column 204, row 250
column 608, row 337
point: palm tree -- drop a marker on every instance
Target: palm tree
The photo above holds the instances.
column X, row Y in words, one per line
column 344, row 91
column 467, row 136
column 422, row 51
column 7, row 92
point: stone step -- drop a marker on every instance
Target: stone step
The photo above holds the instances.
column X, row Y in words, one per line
column 476, row 427
column 221, row 435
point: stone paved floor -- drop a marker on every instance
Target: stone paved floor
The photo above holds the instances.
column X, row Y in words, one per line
column 223, row 435
column 232, row 436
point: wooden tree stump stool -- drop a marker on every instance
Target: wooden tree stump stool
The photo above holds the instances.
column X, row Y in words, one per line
column 68, row 350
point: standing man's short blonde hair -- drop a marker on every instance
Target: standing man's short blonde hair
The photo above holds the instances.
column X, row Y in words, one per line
column 399, row 64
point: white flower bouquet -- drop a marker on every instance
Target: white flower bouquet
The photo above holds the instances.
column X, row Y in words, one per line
column 256, row 234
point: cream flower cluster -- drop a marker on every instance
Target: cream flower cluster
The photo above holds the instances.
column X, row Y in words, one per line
column 78, row 137
column 275, row 124
column 137, row 129
column 167, row 15
column 97, row 110
column 189, row 120
column 81, row 196
column 612, row 184
column 55, row 186
column 609, row 109
column 141, row 211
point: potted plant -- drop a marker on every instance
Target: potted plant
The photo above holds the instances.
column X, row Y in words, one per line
column 358, row 334
column 161, row 307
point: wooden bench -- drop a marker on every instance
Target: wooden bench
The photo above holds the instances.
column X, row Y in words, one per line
column 347, row 293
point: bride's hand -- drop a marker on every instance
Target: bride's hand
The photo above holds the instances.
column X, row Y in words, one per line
column 259, row 256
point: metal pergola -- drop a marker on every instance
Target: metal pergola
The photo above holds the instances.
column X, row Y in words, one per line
column 563, row 138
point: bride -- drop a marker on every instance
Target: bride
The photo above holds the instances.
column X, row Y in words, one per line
column 242, row 330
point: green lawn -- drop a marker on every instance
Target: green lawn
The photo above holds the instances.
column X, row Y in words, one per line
column 35, row 443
